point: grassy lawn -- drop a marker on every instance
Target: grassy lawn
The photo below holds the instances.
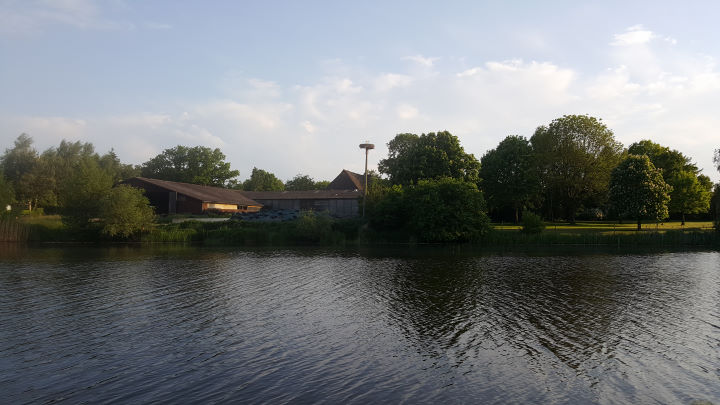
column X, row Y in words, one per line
column 47, row 221
column 607, row 227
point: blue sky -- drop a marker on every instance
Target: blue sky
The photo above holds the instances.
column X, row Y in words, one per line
column 294, row 87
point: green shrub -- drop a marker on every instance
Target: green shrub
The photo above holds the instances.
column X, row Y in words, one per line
column 532, row 223
column 125, row 212
column 439, row 210
column 312, row 227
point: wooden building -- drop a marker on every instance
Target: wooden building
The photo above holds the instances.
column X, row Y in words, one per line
column 338, row 203
column 170, row 197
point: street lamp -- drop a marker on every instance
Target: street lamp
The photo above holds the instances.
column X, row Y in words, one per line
column 367, row 147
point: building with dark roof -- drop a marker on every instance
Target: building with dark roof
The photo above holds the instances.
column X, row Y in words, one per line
column 171, row 197
column 348, row 180
column 340, row 199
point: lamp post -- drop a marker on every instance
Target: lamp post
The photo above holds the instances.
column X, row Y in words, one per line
column 367, row 146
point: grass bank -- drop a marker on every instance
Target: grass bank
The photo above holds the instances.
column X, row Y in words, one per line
column 325, row 231
column 671, row 234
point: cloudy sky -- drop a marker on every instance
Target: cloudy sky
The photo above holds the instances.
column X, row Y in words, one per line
column 295, row 86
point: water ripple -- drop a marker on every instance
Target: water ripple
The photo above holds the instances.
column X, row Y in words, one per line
column 184, row 325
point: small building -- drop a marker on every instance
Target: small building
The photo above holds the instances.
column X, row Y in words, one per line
column 338, row 203
column 171, row 197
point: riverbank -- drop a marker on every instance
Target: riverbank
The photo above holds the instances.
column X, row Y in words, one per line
column 324, row 231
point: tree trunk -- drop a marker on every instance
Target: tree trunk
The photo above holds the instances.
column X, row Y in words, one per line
column 516, row 216
column 683, row 220
column 639, row 225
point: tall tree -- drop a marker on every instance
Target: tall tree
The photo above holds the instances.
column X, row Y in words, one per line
column 575, row 156
column 19, row 159
column 39, row 186
column 670, row 161
column 509, row 175
column 429, row 156
column 261, row 180
column 196, row 165
column 16, row 163
column 84, row 193
column 111, row 163
column 55, row 165
column 691, row 191
column 638, row 191
column 690, row 195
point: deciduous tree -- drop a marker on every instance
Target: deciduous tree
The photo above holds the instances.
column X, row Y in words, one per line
column 429, row 156
column 668, row 160
column 16, row 163
column 638, row 191
column 691, row 189
column 509, row 174
column 446, row 210
column 111, row 163
column 261, row 180
column 690, row 195
column 83, row 194
column 575, row 156
column 196, row 165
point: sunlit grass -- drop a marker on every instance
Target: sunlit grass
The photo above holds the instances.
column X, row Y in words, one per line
column 611, row 227
column 47, row 221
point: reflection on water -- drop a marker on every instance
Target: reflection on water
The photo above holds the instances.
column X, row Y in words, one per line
column 177, row 324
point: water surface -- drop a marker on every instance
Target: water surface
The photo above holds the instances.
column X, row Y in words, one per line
column 193, row 325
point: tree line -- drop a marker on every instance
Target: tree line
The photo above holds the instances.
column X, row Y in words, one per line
column 571, row 167
column 428, row 185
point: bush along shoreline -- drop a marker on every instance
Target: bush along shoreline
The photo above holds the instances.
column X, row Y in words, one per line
column 312, row 229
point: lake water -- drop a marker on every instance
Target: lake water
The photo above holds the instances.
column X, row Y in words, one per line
column 196, row 325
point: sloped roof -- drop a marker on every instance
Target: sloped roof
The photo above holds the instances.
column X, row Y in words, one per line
column 303, row 195
column 202, row 193
column 348, row 180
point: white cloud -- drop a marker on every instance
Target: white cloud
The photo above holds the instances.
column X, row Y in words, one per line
column 634, row 35
column 422, row 60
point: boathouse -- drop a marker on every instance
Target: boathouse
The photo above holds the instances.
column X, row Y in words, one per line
column 170, row 197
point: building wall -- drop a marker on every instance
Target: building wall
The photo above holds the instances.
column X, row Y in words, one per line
column 341, row 208
column 188, row 205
